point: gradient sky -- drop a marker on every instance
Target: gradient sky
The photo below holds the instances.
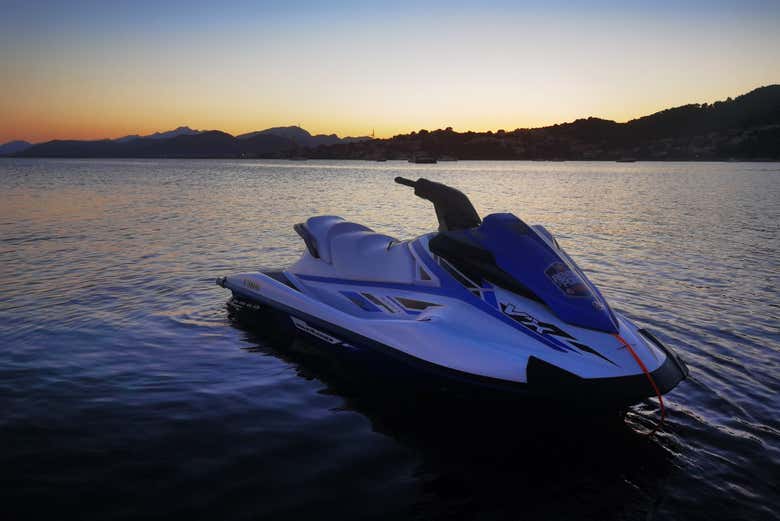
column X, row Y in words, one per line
column 87, row 69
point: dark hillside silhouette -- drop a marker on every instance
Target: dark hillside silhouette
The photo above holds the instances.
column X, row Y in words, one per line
column 185, row 142
column 12, row 147
column 747, row 127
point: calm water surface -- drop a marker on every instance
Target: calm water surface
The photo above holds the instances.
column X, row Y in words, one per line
column 126, row 392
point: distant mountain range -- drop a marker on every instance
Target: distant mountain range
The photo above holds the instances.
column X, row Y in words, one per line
column 185, row 142
column 181, row 131
column 744, row 128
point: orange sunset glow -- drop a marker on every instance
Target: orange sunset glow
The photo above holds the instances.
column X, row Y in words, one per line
column 104, row 72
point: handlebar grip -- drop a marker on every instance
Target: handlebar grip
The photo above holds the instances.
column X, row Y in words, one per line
column 405, row 182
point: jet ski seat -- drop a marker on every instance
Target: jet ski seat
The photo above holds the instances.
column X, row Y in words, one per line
column 318, row 232
column 355, row 251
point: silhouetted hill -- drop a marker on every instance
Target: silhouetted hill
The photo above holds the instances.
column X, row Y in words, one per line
column 204, row 144
column 180, row 131
column 756, row 108
column 12, row 147
column 264, row 145
column 185, row 142
column 302, row 137
column 747, row 127
column 71, row 148
column 293, row 133
column 211, row 143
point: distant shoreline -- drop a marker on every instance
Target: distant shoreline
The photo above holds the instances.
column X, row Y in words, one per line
column 293, row 161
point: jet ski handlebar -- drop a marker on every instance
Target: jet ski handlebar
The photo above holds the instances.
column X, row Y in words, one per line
column 406, row 182
column 453, row 208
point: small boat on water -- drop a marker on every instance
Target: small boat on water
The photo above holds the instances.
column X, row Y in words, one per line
column 422, row 158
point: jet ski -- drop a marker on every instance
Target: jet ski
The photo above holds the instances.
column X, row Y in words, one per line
column 489, row 306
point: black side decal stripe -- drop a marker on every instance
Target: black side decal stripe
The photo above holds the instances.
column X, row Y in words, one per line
column 591, row 351
column 378, row 302
column 281, row 277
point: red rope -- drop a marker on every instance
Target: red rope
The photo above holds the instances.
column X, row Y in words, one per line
column 650, row 378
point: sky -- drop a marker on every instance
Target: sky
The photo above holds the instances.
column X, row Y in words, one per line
column 90, row 70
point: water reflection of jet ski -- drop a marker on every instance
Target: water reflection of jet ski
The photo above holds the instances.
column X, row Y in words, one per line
column 490, row 306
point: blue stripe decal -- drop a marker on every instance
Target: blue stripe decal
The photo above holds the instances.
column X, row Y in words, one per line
column 490, row 295
column 370, row 284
